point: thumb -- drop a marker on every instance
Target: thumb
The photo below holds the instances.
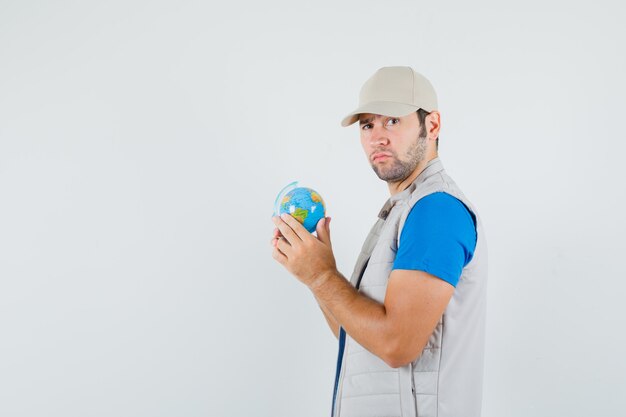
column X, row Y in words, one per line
column 323, row 230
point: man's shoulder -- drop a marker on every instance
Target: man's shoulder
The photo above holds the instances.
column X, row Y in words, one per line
column 438, row 203
column 438, row 212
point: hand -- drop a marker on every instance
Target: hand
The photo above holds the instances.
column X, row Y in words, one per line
column 307, row 257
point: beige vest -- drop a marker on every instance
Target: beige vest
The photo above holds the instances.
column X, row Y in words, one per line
column 446, row 379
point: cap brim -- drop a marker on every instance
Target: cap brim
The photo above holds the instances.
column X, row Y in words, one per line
column 385, row 108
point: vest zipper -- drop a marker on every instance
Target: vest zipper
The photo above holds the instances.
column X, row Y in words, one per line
column 413, row 390
column 337, row 404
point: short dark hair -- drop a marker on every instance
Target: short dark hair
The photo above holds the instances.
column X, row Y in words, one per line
column 421, row 116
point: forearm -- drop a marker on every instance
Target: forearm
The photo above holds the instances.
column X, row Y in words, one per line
column 332, row 323
column 363, row 318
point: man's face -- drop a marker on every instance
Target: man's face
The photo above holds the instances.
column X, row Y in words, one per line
column 394, row 146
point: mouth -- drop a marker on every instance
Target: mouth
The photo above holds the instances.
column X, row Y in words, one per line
column 380, row 156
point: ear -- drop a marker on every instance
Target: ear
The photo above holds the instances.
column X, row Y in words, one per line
column 433, row 124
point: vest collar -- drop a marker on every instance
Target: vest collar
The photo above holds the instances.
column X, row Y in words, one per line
column 434, row 166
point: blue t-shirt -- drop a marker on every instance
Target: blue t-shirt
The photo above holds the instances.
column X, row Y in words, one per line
column 438, row 237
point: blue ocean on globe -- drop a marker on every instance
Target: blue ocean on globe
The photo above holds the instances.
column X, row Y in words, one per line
column 303, row 203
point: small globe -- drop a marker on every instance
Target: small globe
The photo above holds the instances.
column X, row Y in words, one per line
column 304, row 204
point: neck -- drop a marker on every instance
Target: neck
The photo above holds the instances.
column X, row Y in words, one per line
column 399, row 186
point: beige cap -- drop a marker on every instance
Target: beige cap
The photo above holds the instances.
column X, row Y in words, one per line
column 394, row 91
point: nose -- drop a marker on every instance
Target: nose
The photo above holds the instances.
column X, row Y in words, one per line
column 378, row 135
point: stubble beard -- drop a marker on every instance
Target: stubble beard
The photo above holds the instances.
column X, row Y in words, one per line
column 398, row 170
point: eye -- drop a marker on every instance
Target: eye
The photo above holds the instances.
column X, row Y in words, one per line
column 366, row 126
column 393, row 121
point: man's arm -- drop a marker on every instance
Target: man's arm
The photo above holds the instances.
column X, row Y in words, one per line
column 397, row 330
column 332, row 323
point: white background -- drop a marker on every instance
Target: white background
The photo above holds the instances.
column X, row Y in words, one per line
column 142, row 145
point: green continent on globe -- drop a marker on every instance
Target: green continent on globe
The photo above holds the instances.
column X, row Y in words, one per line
column 300, row 214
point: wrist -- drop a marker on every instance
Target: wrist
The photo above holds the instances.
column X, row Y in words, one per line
column 321, row 280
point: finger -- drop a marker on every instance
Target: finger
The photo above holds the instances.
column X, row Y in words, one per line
column 323, row 231
column 297, row 227
column 320, row 227
column 283, row 224
column 283, row 245
column 277, row 233
column 280, row 257
column 327, row 224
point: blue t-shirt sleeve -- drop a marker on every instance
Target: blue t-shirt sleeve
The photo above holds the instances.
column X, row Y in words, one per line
column 438, row 237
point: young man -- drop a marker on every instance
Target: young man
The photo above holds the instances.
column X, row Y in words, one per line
column 411, row 320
